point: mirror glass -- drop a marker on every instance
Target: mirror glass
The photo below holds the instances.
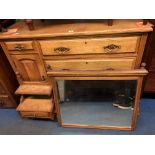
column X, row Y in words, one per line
column 97, row 102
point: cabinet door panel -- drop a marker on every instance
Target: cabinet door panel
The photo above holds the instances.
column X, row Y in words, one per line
column 29, row 67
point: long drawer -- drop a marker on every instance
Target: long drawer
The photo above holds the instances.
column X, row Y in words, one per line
column 89, row 64
column 90, row 46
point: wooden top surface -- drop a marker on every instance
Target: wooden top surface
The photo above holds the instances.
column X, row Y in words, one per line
column 36, row 104
column 50, row 28
column 34, row 89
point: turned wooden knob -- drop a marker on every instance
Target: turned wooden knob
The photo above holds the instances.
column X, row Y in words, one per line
column 143, row 65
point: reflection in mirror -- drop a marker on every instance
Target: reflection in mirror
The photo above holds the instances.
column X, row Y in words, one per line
column 100, row 102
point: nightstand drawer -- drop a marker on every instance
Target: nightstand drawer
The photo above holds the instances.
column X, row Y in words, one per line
column 19, row 46
column 36, row 107
column 90, row 46
column 97, row 64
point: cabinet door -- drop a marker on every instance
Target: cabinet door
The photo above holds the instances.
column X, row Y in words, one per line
column 29, row 67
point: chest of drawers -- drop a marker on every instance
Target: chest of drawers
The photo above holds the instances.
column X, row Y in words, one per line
column 81, row 50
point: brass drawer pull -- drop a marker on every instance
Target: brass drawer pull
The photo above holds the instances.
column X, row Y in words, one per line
column 112, row 48
column 19, row 47
column 61, row 50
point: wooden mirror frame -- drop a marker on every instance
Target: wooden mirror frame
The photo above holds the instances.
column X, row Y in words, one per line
column 103, row 75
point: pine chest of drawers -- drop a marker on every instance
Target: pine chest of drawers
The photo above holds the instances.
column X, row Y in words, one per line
column 81, row 50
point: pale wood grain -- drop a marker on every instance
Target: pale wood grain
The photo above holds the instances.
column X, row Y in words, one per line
column 34, row 89
column 37, row 104
column 89, row 64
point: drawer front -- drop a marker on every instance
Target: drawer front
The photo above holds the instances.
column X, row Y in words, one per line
column 90, row 46
column 19, row 46
column 35, row 114
column 106, row 64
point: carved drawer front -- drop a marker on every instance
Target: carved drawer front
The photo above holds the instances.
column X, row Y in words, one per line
column 20, row 46
column 90, row 46
column 36, row 107
column 5, row 101
column 97, row 64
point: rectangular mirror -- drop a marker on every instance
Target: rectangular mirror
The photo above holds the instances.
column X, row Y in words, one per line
column 97, row 102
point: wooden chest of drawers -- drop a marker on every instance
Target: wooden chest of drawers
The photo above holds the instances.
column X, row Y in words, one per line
column 75, row 49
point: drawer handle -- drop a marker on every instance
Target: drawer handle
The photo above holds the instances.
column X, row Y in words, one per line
column 19, row 47
column 61, row 50
column 112, row 48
